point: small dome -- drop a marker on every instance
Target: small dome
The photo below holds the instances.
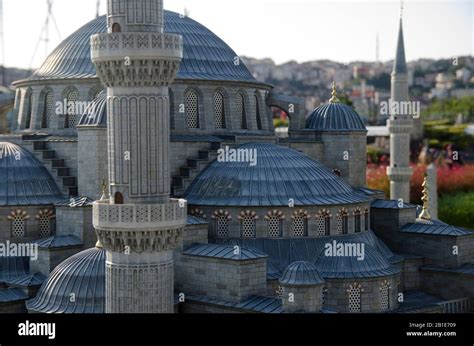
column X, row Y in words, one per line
column 82, row 275
column 335, row 117
column 205, row 55
column 96, row 115
column 25, row 181
column 278, row 175
column 301, row 273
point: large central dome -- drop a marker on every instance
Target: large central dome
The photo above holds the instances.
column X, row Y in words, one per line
column 206, row 56
column 280, row 174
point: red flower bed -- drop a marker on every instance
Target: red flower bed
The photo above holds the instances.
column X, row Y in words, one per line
column 450, row 180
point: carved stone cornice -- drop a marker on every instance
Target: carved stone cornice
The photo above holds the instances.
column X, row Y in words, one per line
column 135, row 241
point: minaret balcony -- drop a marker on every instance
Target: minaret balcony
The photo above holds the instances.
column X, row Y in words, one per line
column 136, row 45
column 140, row 217
column 402, row 126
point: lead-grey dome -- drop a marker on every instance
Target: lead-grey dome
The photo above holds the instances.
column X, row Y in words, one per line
column 24, row 180
column 301, row 274
column 335, row 117
column 280, row 174
column 82, row 275
column 205, row 56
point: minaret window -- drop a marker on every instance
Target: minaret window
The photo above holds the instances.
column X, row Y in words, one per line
column 323, row 223
column 343, row 221
column 192, row 110
column 354, row 295
column 357, row 220
column 241, row 114
column 300, row 223
column 275, row 223
column 116, row 27
column 248, row 221
column 219, row 111
column 118, row 198
column 257, row 112
column 221, row 223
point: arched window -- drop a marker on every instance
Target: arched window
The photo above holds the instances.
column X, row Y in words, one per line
column 221, row 223
column 18, row 223
column 192, row 109
column 343, row 221
column 248, row 222
column 44, row 218
column 275, row 223
column 116, row 27
column 48, row 110
column 385, row 296
column 118, row 198
column 241, row 113
column 300, row 223
column 366, row 219
column 354, row 291
column 29, row 109
column 71, row 116
column 323, row 222
column 357, row 220
column 219, row 111
column 257, row 113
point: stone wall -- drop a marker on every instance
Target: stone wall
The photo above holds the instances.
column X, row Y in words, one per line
column 220, row 278
column 302, row 298
column 92, row 161
column 78, row 222
column 337, row 296
column 410, row 279
column 192, row 234
column 446, row 284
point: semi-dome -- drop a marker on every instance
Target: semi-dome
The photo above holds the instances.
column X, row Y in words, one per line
column 81, row 277
column 335, row 117
column 205, row 56
column 279, row 175
column 378, row 260
column 25, row 181
column 301, row 274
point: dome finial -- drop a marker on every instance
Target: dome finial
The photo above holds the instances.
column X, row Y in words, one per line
column 425, row 214
column 104, row 190
column 401, row 9
column 334, row 98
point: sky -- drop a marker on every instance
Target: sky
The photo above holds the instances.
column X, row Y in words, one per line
column 282, row 30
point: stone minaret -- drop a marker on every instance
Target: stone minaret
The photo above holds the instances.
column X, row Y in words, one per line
column 400, row 127
column 139, row 225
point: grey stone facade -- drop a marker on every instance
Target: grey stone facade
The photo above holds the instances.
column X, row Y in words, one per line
column 232, row 280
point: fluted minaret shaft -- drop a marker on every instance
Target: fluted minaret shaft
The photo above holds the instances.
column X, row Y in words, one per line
column 139, row 225
column 400, row 126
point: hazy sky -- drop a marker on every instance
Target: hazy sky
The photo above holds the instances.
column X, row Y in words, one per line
column 283, row 30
